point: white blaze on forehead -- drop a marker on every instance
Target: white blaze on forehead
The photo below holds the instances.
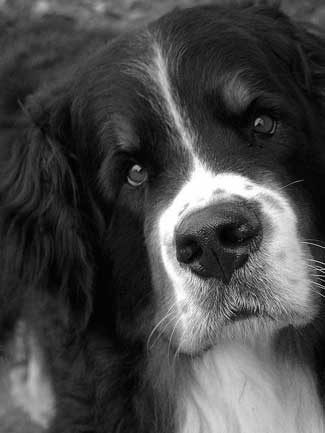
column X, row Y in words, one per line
column 161, row 77
column 154, row 71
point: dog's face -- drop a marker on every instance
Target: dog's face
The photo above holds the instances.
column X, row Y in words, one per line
column 216, row 145
column 206, row 154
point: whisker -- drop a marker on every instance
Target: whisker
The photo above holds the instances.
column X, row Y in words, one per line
column 292, row 183
column 317, row 268
column 318, row 285
column 316, row 261
column 321, row 270
column 317, row 274
column 317, row 293
column 315, row 240
column 163, row 329
column 313, row 244
column 171, row 335
column 169, row 312
column 176, row 355
column 319, row 278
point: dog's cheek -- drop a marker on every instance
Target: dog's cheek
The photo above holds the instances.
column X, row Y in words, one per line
column 286, row 258
column 129, row 274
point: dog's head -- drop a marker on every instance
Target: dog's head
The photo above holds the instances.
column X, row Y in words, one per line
column 176, row 180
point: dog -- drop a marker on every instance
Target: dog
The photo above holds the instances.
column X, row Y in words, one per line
column 162, row 226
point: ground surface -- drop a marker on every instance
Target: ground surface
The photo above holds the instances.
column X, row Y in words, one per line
column 116, row 15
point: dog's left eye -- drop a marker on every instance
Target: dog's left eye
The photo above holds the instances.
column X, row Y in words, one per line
column 264, row 125
column 137, row 175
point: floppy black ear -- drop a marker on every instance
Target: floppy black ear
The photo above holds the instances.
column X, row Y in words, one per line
column 307, row 58
column 44, row 234
column 311, row 46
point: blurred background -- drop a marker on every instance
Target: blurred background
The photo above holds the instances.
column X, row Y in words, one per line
column 114, row 16
column 120, row 14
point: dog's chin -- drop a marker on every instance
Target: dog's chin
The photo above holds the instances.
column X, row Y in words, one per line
column 245, row 326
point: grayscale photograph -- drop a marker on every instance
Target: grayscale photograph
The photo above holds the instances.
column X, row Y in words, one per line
column 162, row 202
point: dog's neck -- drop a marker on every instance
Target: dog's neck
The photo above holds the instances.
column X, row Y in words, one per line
column 257, row 387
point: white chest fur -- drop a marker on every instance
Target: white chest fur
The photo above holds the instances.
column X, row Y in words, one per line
column 240, row 389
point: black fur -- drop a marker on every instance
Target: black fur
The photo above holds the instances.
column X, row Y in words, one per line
column 74, row 258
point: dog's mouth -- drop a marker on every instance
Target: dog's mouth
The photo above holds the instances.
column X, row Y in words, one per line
column 196, row 330
column 244, row 322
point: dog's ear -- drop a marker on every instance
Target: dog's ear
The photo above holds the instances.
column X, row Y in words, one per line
column 301, row 45
column 46, row 242
column 310, row 42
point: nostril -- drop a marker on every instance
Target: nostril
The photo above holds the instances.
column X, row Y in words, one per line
column 187, row 250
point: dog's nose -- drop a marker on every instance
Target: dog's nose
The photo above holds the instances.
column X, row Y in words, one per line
column 217, row 240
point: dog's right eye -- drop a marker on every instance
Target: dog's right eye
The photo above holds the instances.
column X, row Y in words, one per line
column 137, row 175
column 264, row 124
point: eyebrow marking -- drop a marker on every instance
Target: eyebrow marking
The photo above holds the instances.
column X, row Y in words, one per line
column 236, row 93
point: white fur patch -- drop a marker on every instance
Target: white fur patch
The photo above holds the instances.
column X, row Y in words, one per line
column 154, row 72
column 30, row 387
column 160, row 76
column 280, row 248
column 240, row 389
